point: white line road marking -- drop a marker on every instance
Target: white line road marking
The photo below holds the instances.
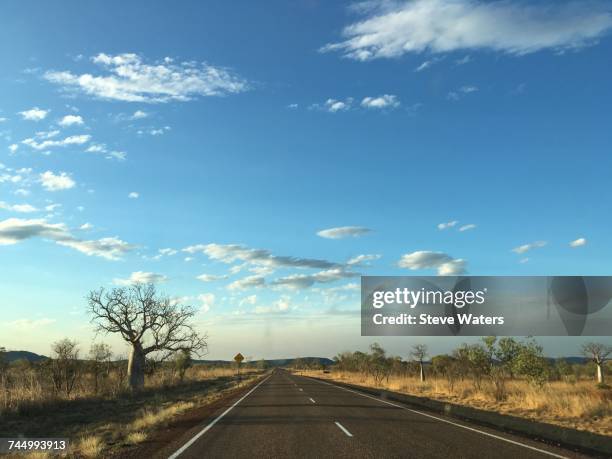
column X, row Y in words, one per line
column 543, row 451
column 312, row 400
column 182, row 449
column 301, row 390
column 343, row 429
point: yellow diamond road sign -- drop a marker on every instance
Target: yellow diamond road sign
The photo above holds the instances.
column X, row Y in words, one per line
column 239, row 358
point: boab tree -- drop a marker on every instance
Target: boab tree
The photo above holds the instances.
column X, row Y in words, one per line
column 419, row 353
column 148, row 321
column 599, row 354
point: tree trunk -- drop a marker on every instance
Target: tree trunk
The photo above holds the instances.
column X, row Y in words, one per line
column 136, row 367
column 422, row 371
column 600, row 373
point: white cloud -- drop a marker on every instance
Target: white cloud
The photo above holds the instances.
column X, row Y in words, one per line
column 578, row 242
column 230, row 253
column 139, row 114
column 53, row 182
column 96, row 148
column 86, row 226
column 118, row 155
column 384, row 101
column 300, row 281
column 134, row 195
column 464, row 60
column 158, row 131
column 527, row 247
column 343, row 231
column 210, row 277
column 293, row 106
column 443, row 226
column 392, row 29
column 251, row 299
column 334, row 105
column 445, row 264
column 425, row 65
column 167, row 252
column 361, row 259
column 129, row 78
column 70, row 120
column 469, row 227
column 207, row 301
column 524, row 260
column 141, row 277
column 459, row 93
column 21, row 208
column 13, row 148
column 247, row 282
column 34, row 114
column 46, row 144
column 281, row 305
column 111, row 248
column 15, row 230
column 52, row 207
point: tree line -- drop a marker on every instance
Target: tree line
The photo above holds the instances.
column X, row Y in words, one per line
column 493, row 359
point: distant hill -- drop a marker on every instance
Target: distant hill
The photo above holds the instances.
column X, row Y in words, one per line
column 273, row 362
column 11, row 356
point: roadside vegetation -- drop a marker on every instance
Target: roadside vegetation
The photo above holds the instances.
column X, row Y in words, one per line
column 505, row 375
column 105, row 403
column 90, row 402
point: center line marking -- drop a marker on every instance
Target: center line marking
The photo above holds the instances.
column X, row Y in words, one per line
column 446, row 421
column 343, row 429
column 301, row 390
column 312, row 400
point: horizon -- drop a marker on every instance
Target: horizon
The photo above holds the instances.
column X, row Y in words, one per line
column 255, row 162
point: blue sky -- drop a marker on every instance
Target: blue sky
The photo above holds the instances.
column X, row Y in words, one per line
column 208, row 147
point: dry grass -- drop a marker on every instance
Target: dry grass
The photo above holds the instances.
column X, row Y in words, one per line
column 97, row 424
column 135, row 438
column 90, row 446
column 580, row 405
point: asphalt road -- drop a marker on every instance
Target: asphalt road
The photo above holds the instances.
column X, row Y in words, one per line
column 292, row 416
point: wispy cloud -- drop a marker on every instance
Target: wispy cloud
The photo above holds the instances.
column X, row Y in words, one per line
column 207, row 301
column 462, row 91
column 527, row 247
column 362, row 259
column 247, row 282
column 141, row 277
column 230, row 253
column 578, row 242
column 300, row 281
column 469, row 227
column 391, row 29
column 447, row 225
column 21, row 208
column 343, row 232
column 443, row 263
column 46, row 144
column 15, row 230
column 211, row 277
column 129, row 78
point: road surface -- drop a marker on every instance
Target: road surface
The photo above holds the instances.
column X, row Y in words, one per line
column 292, row 416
